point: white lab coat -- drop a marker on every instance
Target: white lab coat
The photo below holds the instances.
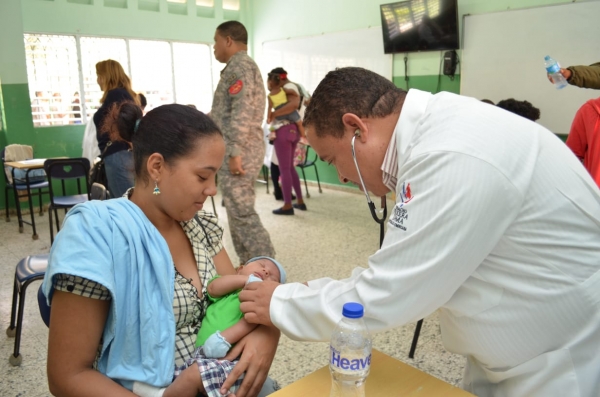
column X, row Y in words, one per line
column 501, row 232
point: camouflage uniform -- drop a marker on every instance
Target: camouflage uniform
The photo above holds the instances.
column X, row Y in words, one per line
column 238, row 109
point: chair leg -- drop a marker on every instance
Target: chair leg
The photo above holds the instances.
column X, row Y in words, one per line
column 32, row 213
column 305, row 184
column 40, row 198
column 318, row 180
column 6, row 206
column 16, row 358
column 10, row 331
column 19, row 214
column 57, row 221
column 413, row 346
column 50, row 210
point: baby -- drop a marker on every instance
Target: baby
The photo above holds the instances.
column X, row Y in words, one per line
column 278, row 98
column 223, row 325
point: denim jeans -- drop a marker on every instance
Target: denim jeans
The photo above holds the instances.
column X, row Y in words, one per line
column 120, row 172
column 270, row 386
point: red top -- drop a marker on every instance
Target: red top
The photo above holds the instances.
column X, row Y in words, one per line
column 584, row 138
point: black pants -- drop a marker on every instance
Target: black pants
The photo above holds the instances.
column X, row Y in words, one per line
column 275, row 178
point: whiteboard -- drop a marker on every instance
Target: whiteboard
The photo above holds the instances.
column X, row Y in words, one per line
column 503, row 57
column 308, row 59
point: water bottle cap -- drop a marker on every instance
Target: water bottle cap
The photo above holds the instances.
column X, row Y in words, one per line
column 547, row 58
column 353, row 310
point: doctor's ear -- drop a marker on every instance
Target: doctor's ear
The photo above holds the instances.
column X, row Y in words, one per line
column 354, row 125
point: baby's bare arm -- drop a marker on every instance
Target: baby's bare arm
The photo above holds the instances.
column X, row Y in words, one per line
column 237, row 331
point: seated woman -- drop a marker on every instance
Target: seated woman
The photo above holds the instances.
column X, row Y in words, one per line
column 127, row 278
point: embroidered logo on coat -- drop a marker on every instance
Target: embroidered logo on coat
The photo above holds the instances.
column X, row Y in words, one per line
column 236, row 87
column 400, row 213
column 405, row 193
column 399, row 216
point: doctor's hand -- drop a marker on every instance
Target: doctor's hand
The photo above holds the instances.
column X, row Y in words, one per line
column 255, row 301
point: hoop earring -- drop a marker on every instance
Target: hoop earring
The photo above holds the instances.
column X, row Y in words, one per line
column 156, row 191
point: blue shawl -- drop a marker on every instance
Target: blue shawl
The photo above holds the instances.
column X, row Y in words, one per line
column 113, row 243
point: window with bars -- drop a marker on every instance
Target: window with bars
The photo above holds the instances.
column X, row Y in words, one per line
column 52, row 72
column 61, row 72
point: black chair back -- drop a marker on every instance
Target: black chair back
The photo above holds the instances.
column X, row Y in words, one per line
column 62, row 170
column 77, row 169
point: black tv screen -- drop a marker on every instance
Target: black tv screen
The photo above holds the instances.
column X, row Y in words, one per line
column 419, row 25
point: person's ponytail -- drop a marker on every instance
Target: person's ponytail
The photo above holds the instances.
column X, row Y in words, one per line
column 122, row 121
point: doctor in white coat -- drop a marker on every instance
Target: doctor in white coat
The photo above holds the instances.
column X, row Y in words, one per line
column 496, row 224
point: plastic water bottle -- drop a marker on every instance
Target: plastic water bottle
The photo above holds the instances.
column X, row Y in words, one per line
column 553, row 69
column 350, row 353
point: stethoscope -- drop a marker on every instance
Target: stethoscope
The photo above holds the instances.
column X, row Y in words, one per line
column 374, row 211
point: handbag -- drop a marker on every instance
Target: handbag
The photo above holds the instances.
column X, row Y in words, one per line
column 98, row 171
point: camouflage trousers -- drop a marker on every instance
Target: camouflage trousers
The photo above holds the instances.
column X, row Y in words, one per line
column 250, row 238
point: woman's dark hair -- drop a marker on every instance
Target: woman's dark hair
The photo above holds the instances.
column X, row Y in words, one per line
column 171, row 130
column 522, row 108
column 350, row 90
column 235, row 30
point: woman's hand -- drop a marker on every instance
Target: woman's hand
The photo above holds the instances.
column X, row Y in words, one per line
column 258, row 350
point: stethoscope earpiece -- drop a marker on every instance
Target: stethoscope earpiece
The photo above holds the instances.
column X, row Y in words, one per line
column 357, row 132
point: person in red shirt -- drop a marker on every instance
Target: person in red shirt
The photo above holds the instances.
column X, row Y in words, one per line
column 584, row 137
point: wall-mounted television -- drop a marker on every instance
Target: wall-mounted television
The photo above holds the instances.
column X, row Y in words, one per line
column 419, row 25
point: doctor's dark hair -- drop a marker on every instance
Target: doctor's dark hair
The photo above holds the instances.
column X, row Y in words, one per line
column 235, row 30
column 171, row 130
column 350, row 90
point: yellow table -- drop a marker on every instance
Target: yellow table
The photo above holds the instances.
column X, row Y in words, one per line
column 27, row 165
column 388, row 377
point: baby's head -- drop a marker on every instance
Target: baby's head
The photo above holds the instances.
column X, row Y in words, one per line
column 265, row 268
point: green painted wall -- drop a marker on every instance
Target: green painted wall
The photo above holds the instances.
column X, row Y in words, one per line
column 143, row 19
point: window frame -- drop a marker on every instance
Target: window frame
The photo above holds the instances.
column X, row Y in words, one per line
column 84, row 116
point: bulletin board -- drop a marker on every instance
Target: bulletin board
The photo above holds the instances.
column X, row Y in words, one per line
column 308, row 59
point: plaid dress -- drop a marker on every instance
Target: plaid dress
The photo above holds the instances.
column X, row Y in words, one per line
column 205, row 236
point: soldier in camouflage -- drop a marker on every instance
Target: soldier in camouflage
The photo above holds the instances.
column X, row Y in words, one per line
column 238, row 109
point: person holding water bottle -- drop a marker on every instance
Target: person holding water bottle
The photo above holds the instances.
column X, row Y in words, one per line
column 496, row 227
column 581, row 76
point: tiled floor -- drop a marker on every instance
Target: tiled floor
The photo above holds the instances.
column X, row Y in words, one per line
column 332, row 237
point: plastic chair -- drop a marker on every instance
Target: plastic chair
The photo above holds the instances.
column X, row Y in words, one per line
column 17, row 187
column 77, row 169
column 43, row 306
column 29, row 269
column 310, row 163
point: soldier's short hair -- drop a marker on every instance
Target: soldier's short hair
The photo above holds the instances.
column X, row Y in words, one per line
column 235, row 30
column 350, row 90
